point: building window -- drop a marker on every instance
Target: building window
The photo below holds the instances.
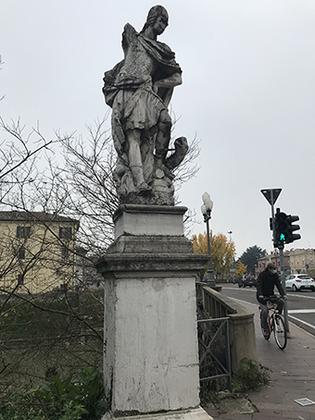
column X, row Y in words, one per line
column 65, row 232
column 64, row 252
column 20, row 279
column 21, row 253
column 23, row 231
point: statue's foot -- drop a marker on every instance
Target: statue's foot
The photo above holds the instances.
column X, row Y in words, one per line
column 144, row 188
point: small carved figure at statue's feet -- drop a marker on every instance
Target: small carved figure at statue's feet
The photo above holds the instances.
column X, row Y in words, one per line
column 144, row 188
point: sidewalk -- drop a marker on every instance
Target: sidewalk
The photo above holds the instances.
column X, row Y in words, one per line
column 292, row 377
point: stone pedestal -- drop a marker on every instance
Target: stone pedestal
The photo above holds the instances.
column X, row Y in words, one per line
column 151, row 353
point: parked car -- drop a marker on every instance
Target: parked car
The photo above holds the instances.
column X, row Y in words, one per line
column 298, row 282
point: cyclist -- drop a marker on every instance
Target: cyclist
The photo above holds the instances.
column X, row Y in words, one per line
column 266, row 282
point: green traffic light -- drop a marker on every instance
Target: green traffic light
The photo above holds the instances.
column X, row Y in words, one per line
column 282, row 237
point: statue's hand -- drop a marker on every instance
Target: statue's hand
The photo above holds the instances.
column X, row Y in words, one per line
column 181, row 149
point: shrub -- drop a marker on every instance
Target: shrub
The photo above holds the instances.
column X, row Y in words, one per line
column 73, row 397
column 250, row 376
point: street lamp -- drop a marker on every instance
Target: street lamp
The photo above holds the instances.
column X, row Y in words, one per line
column 206, row 210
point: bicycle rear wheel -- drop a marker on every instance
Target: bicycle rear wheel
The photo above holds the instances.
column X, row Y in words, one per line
column 280, row 332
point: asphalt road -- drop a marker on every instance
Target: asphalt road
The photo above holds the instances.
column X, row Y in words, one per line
column 301, row 305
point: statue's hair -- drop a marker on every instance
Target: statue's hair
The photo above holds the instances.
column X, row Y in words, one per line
column 153, row 14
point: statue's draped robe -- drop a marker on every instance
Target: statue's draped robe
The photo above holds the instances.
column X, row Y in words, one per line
column 129, row 90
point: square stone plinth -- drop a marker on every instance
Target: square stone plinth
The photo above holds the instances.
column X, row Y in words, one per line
column 132, row 219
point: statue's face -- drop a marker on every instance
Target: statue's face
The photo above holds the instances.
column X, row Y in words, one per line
column 160, row 24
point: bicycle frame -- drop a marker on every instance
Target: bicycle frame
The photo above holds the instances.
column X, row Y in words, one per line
column 272, row 311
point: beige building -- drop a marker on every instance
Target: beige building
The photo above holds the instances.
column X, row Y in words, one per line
column 36, row 251
column 302, row 260
column 295, row 261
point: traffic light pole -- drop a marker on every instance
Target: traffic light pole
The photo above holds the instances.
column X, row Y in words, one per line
column 282, row 233
column 273, row 217
column 281, row 258
column 282, row 278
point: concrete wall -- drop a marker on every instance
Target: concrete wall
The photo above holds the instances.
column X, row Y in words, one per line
column 242, row 337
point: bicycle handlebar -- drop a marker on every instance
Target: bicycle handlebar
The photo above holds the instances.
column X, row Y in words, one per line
column 272, row 299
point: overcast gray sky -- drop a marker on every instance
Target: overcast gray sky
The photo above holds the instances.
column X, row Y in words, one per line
column 248, row 92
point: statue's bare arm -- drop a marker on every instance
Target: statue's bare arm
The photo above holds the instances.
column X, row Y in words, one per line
column 169, row 82
column 164, row 87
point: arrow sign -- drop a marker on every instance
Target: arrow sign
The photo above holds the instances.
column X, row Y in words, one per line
column 271, row 195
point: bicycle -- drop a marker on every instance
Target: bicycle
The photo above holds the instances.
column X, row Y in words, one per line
column 275, row 323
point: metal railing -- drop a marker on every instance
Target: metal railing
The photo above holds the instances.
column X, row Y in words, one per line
column 214, row 349
column 226, row 335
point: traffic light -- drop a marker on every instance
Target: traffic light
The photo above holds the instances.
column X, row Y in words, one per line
column 281, row 229
column 291, row 228
column 284, row 229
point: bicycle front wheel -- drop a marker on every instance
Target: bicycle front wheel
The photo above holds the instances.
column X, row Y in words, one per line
column 280, row 332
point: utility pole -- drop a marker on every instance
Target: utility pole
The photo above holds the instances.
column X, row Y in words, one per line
column 282, row 277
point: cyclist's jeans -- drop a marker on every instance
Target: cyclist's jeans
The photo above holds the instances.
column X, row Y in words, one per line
column 263, row 316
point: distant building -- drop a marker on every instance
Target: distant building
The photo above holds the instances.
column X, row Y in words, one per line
column 274, row 258
column 302, row 260
column 36, row 251
column 295, row 261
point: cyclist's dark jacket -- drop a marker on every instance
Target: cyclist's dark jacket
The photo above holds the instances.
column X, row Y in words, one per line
column 266, row 282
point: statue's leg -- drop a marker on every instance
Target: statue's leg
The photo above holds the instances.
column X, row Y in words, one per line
column 135, row 160
column 163, row 136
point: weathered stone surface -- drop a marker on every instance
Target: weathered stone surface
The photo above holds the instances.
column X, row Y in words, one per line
column 155, row 363
column 191, row 414
column 150, row 244
column 143, row 263
column 149, row 220
column 139, row 90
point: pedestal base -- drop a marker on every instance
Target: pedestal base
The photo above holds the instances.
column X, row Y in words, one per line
column 192, row 414
column 151, row 349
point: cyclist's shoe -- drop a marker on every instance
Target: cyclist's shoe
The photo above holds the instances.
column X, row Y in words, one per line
column 266, row 333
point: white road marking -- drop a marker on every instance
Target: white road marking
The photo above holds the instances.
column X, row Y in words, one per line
column 301, row 311
column 302, row 296
column 302, row 322
column 254, row 291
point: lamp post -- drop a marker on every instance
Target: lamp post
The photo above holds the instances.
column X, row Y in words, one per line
column 206, row 210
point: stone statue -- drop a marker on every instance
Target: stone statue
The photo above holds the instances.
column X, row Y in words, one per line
column 139, row 90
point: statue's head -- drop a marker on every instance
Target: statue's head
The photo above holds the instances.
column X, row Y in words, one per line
column 157, row 19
